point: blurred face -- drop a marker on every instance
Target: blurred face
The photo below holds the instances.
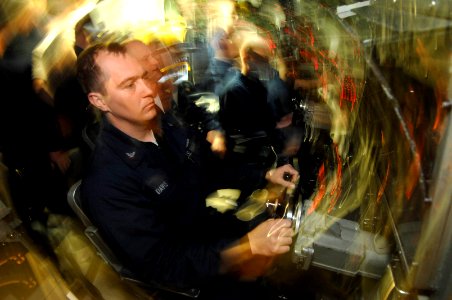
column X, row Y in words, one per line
column 256, row 3
column 144, row 55
column 223, row 14
column 232, row 43
column 28, row 16
column 130, row 92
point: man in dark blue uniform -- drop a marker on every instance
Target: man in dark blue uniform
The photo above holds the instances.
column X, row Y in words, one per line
column 247, row 118
column 222, row 67
column 144, row 188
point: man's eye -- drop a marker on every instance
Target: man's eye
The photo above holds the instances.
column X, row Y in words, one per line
column 129, row 85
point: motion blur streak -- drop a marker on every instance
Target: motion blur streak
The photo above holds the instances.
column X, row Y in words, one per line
column 372, row 132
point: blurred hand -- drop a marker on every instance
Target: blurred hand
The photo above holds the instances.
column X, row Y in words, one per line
column 285, row 121
column 276, row 176
column 271, row 237
column 217, row 142
column 61, row 160
column 42, row 89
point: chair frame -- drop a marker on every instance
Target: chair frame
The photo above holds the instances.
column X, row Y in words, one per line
column 104, row 251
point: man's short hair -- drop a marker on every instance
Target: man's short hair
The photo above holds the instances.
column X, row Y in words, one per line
column 89, row 73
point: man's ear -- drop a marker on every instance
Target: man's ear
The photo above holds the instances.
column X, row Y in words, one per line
column 223, row 44
column 97, row 100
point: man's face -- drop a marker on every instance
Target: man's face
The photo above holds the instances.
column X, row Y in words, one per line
column 232, row 42
column 130, row 91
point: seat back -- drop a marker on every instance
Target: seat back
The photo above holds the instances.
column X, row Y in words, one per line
column 91, row 231
column 104, row 251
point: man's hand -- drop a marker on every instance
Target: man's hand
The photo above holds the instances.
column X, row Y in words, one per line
column 285, row 175
column 253, row 254
column 271, row 237
column 42, row 89
column 61, row 160
column 217, row 142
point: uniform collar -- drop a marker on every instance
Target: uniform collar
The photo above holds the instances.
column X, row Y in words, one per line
column 131, row 150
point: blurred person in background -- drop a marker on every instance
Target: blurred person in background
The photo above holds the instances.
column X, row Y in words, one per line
column 208, row 120
column 54, row 53
column 224, row 63
column 30, row 139
column 76, row 118
column 248, row 120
